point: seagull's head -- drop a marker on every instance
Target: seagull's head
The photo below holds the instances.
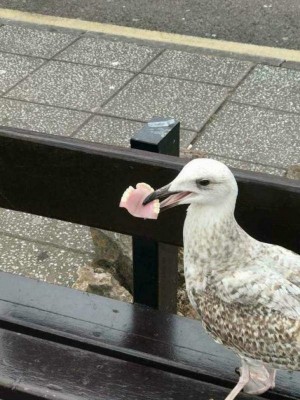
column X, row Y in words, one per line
column 203, row 181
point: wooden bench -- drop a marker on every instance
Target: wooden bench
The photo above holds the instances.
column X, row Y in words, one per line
column 58, row 343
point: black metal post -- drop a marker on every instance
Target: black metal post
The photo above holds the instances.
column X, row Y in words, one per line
column 155, row 265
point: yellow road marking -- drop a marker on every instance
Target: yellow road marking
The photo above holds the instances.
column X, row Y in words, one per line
column 143, row 34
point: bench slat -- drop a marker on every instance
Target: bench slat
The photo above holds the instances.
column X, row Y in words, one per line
column 120, row 330
column 33, row 369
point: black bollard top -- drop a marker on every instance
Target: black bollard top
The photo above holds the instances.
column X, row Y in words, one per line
column 159, row 135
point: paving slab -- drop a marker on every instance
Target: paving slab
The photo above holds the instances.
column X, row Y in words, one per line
column 291, row 64
column 271, row 87
column 118, row 132
column 248, row 166
column 40, row 261
column 109, row 53
column 253, row 134
column 199, row 67
column 40, row 118
column 33, row 42
column 146, row 96
column 13, row 68
column 63, row 84
column 49, row 231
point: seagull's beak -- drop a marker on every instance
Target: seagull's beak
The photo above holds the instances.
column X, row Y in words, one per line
column 171, row 198
column 157, row 194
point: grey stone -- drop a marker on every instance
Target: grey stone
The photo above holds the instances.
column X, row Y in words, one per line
column 109, row 130
column 13, row 68
column 117, row 131
column 101, row 282
column 185, row 138
column 271, row 87
column 184, row 307
column 63, row 84
column 41, row 261
column 199, row 67
column 293, row 172
column 255, row 59
column 252, row 134
column 108, row 53
column 113, row 250
column 40, row 118
column 191, row 153
column 146, row 96
column 32, row 42
column 46, row 230
column 114, row 255
column 291, row 64
column 248, row 166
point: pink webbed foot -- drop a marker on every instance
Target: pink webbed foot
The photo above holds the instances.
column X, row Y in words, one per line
column 262, row 378
column 244, row 379
column 255, row 378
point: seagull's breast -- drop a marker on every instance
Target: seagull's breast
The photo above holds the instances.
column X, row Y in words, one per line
column 213, row 255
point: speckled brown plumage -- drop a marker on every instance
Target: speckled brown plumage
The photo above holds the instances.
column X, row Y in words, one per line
column 232, row 281
column 270, row 338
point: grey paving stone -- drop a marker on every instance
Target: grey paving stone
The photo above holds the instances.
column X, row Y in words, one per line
column 252, row 134
column 40, row 118
column 40, row 261
column 248, row 166
column 146, row 96
column 272, row 87
column 185, row 48
column 199, row 67
column 69, row 85
column 47, row 230
column 291, row 65
column 109, row 53
column 116, row 131
column 32, row 42
column 13, row 68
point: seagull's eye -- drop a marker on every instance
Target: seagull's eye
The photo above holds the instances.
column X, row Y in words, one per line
column 202, row 182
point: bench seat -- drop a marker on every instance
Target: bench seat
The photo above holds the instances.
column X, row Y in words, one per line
column 60, row 343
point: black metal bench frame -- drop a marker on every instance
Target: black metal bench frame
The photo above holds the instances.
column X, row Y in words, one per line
column 63, row 344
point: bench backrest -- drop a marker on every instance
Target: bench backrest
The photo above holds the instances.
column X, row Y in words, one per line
column 82, row 182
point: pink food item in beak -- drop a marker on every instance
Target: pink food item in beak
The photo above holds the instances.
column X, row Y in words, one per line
column 132, row 200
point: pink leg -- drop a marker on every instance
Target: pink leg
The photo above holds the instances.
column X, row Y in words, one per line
column 262, row 378
column 272, row 377
column 244, row 379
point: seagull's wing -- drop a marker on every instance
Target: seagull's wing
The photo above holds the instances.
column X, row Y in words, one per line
column 284, row 261
column 260, row 285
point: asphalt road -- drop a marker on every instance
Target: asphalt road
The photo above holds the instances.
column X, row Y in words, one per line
column 265, row 22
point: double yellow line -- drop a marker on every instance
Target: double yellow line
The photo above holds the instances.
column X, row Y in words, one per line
column 157, row 36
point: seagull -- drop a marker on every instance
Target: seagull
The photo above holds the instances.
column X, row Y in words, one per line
column 246, row 292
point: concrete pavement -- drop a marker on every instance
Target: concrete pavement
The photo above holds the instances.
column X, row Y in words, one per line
column 244, row 111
